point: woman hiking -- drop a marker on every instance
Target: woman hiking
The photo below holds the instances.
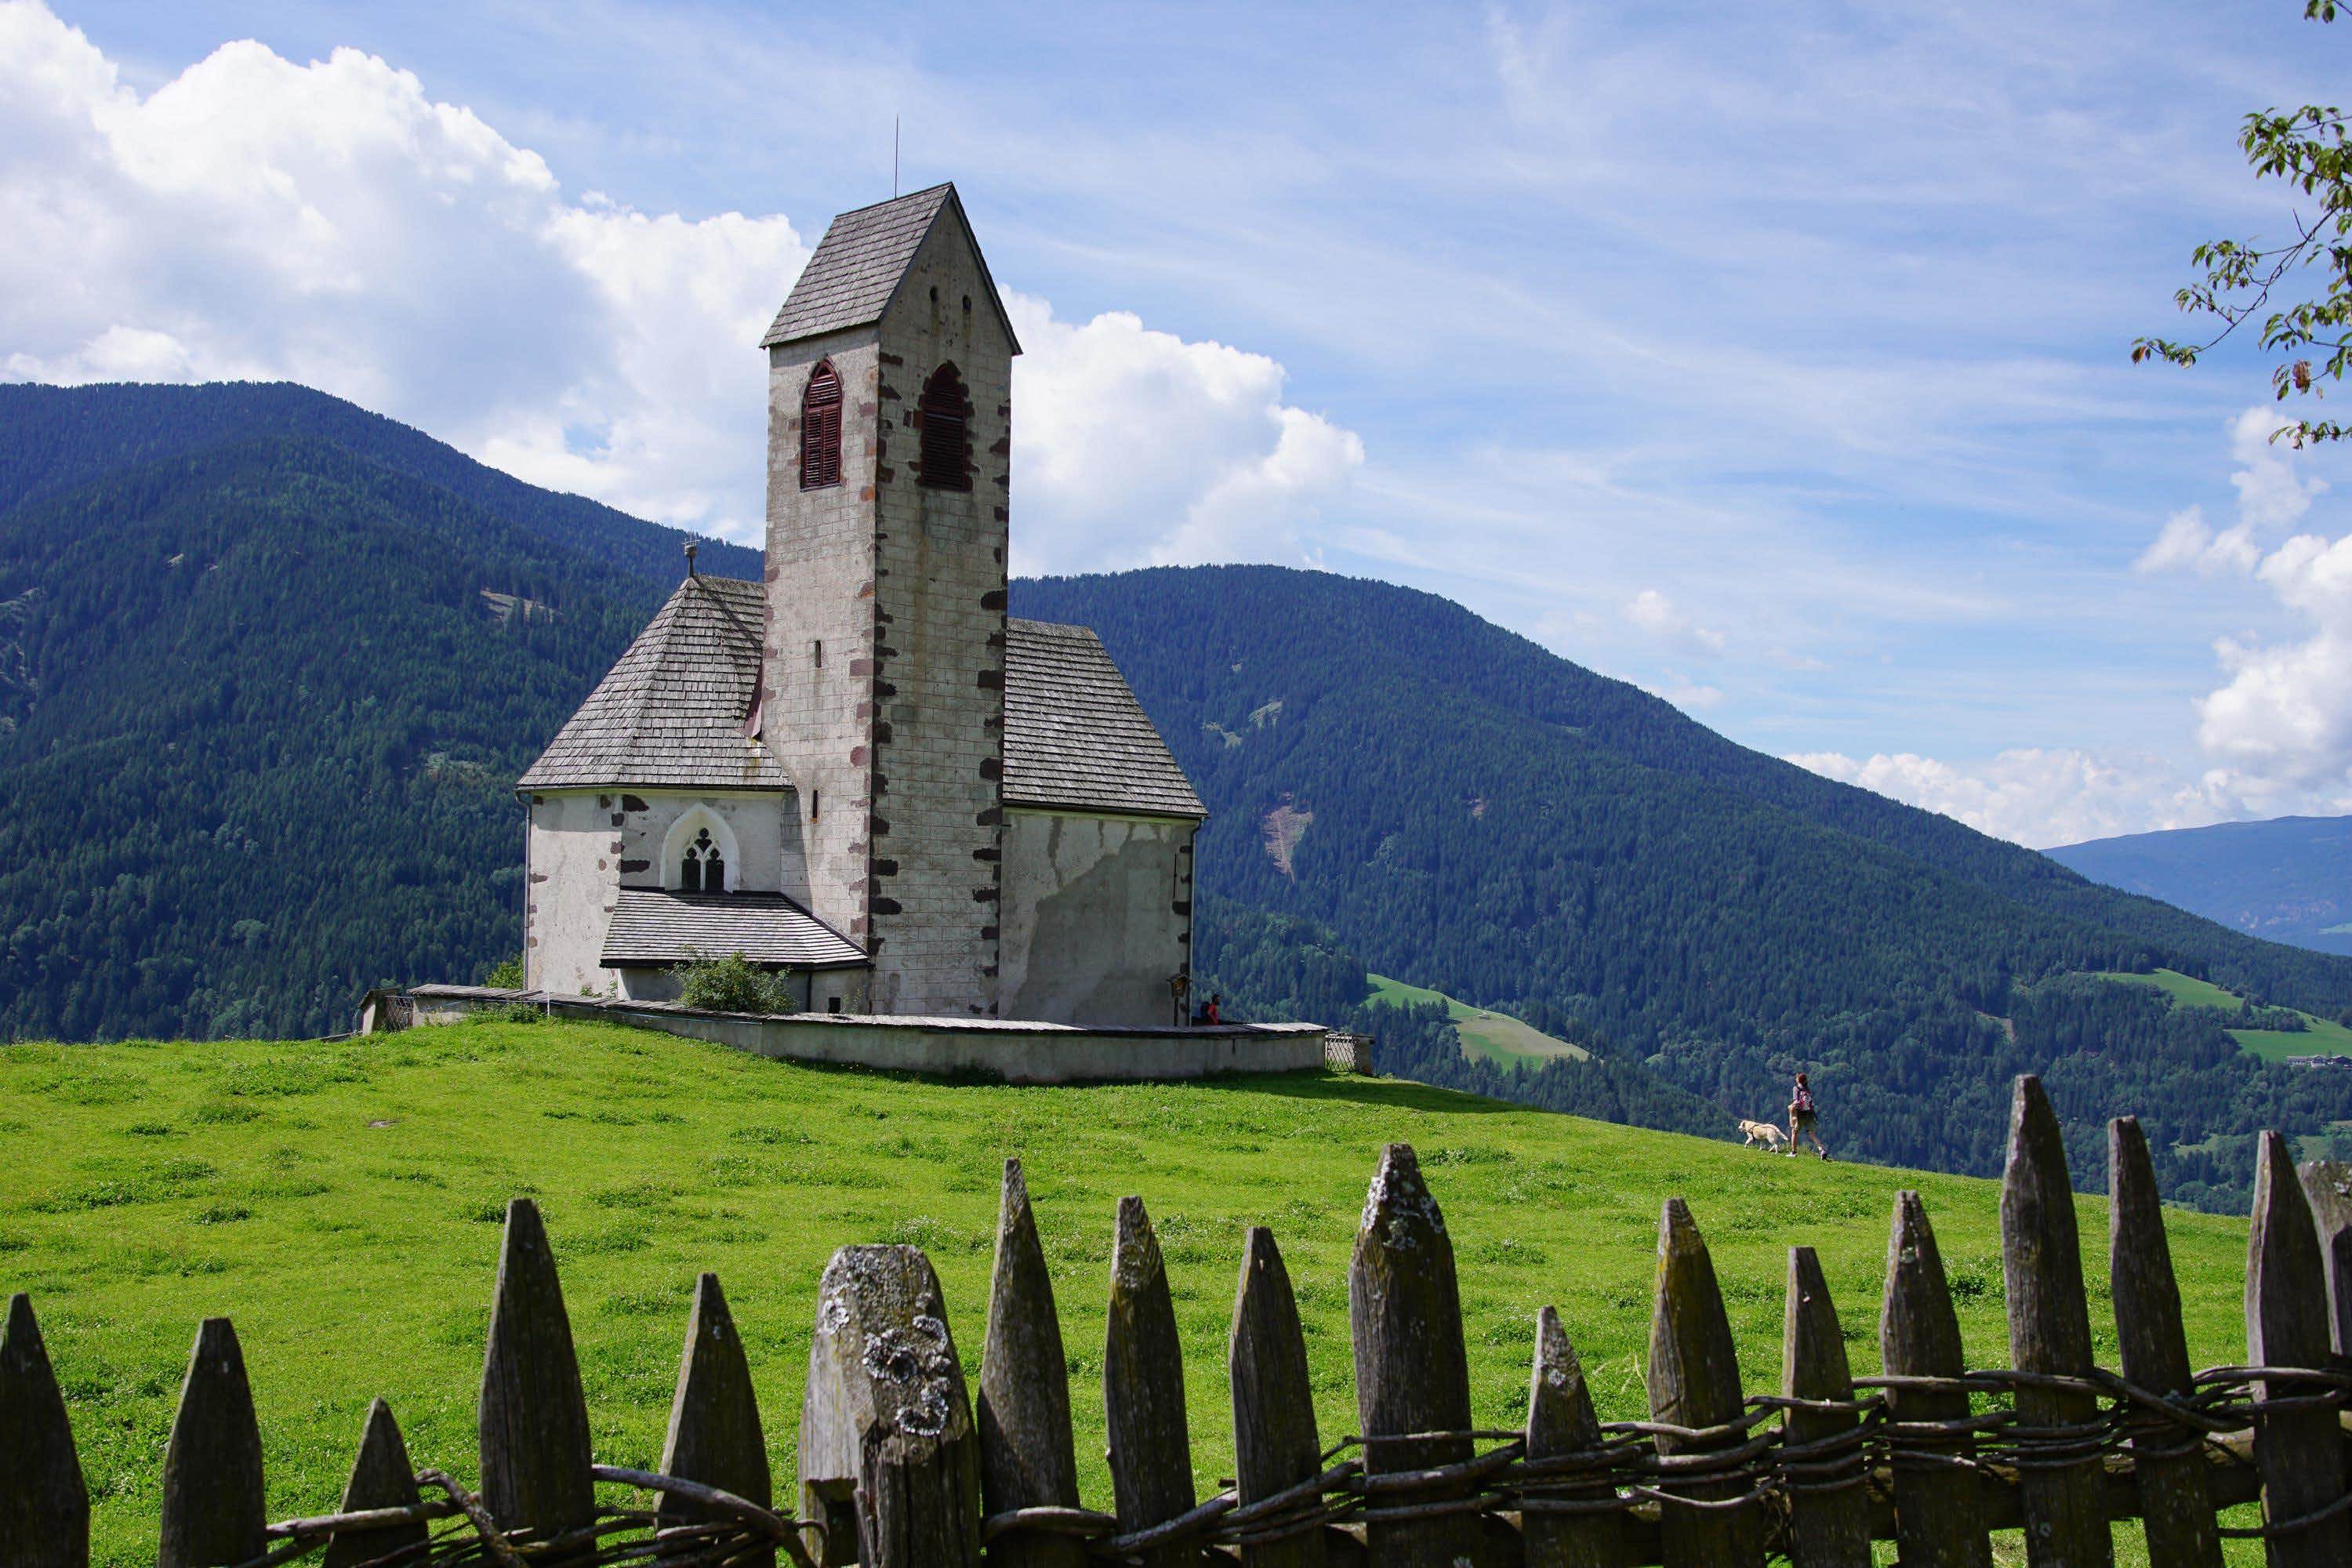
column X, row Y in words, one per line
column 1800, row 1119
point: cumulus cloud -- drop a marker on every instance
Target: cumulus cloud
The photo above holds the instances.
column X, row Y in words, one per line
column 2190, row 541
column 1657, row 614
column 1134, row 446
column 332, row 223
column 2039, row 796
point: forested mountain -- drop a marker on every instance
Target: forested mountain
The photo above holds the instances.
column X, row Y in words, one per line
column 2287, row 881
column 268, row 666
column 1464, row 810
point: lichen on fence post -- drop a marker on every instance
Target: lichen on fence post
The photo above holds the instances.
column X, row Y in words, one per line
column 44, row 1503
column 2167, row 1460
column 2064, row 1486
column 1694, row 1384
column 1566, row 1525
column 886, row 1426
column 1412, row 1369
column 213, row 1512
column 1028, row 1457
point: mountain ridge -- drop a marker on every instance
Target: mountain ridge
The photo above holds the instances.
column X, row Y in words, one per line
column 2286, row 878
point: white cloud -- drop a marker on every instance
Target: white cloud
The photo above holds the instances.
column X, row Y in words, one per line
column 2189, row 541
column 1657, row 614
column 1132, row 445
column 2270, row 493
column 2039, row 796
column 332, row 223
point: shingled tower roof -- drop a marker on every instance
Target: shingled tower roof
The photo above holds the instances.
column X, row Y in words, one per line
column 676, row 708
column 862, row 259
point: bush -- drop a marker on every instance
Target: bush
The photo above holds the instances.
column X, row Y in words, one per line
column 506, row 974
column 733, row 984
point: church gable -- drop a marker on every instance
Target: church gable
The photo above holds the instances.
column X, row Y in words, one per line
column 1075, row 736
column 863, row 258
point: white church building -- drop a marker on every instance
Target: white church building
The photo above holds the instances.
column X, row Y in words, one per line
column 860, row 771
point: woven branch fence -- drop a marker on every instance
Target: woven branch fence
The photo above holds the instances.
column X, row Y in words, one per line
column 902, row 1467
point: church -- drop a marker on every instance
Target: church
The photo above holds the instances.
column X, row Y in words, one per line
column 860, row 771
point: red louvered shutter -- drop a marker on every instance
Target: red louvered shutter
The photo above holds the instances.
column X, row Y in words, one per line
column 946, row 458
column 821, row 428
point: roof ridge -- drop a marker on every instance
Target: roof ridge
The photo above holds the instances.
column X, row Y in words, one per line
column 869, row 206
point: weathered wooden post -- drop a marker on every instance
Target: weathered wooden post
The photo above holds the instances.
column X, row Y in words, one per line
column 1027, row 1456
column 2328, row 1184
column 1276, row 1446
column 1693, row 1383
column 2299, row 1451
column 380, row 1477
column 44, row 1503
column 1566, row 1526
column 2175, row 1502
column 1412, row 1369
column 2049, row 1332
column 1938, row 1522
column 213, row 1515
column 714, row 1435
column 888, row 1453
column 533, row 1415
column 1143, row 1391
column 1829, row 1501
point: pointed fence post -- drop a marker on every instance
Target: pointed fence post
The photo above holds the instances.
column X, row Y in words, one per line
column 533, row 1417
column 213, row 1515
column 1027, row 1456
column 1560, row 1421
column 714, row 1435
column 1829, row 1497
column 1276, row 1446
column 2049, row 1332
column 1693, row 1382
column 2175, row 1502
column 2328, row 1184
column 380, row 1477
column 2300, row 1452
column 1143, row 1390
column 44, row 1503
column 1412, row 1371
column 886, row 1426
column 1937, row 1516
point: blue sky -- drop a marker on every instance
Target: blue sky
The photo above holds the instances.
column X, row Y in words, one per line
column 1773, row 359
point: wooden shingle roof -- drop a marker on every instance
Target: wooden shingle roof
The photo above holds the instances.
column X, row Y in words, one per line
column 1075, row 736
column 653, row 928
column 858, row 266
column 676, row 709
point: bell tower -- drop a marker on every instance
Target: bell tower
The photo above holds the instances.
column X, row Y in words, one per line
column 890, row 423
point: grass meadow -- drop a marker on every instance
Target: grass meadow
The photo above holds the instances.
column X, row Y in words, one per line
column 2319, row 1036
column 341, row 1204
column 1487, row 1036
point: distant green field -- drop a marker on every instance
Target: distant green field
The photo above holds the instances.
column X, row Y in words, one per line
column 342, row 1203
column 2319, row 1036
column 1490, row 1036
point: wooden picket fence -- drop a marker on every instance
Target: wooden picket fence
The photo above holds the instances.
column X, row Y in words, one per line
column 902, row 1466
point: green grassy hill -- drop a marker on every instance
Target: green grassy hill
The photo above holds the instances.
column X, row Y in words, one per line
column 2318, row 1035
column 1487, row 1036
column 341, row 1204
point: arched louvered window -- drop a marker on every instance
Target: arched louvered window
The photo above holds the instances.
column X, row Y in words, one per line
column 701, row 869
column 947, row 414
column 821, row 428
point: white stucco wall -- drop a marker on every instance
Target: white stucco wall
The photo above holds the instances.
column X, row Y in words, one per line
column 586, row 845
column 1098, row 915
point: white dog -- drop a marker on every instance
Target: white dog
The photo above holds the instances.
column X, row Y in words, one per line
column 1764, row 1132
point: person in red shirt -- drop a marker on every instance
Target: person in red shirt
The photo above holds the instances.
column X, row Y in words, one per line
column 1800, row 1119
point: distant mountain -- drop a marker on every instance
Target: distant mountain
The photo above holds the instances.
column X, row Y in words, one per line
column 1463, row 810
column 2289, row 879
column 269, row 664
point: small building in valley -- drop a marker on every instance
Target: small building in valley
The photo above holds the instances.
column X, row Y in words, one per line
column 862, row 771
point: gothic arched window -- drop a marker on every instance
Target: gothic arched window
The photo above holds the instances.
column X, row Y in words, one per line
column 947, row 413
column 701, row 870
column 821, row 428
